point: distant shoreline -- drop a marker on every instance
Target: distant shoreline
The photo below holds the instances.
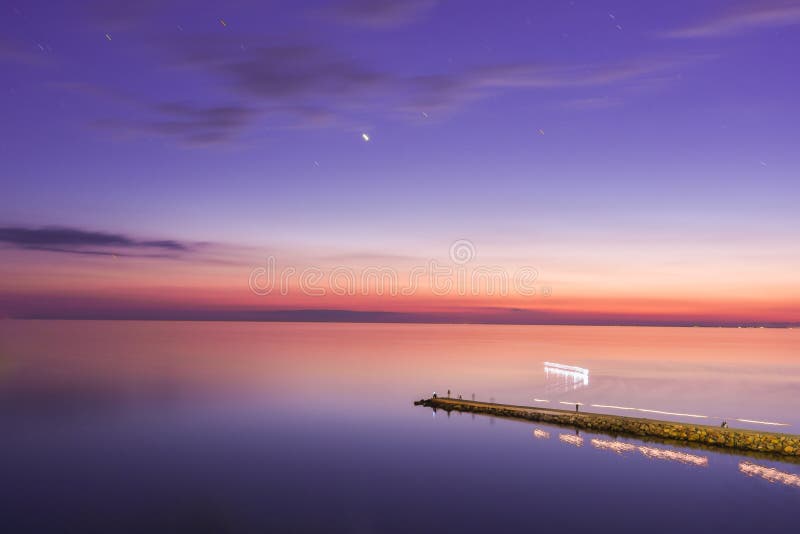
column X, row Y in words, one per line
column 380, row 320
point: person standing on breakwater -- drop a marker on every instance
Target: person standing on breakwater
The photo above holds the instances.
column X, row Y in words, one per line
column 448, row 393
column 576, row 408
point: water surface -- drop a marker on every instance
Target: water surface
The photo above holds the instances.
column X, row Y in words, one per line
column 130, row 426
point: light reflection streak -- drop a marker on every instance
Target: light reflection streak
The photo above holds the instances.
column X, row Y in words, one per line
column 612, row 407
column 769, row 473
column 679, row 414
column 651, row 452
column 762, row 422
column 628, row 408
column 541, row 434
column 571, row 439
column 683, row 457
column 673, row 413
column 644, row 410
column 616, row 446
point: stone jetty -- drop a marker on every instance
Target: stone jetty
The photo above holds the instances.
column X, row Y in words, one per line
column 728, row 438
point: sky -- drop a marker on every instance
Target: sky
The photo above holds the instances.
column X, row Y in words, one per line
column 621, row 162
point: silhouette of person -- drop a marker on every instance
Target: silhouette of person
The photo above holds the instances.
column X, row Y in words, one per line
column 576, row 408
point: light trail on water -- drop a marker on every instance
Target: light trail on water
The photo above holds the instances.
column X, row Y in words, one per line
column 664, row 412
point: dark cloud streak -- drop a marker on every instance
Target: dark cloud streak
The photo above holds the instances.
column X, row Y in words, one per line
column 293, row 71
column 77, row 241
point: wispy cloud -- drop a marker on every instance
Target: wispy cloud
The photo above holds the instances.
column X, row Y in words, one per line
column 743, row 20
column 122, row 15
column 191, row 124
column 381, row 13
column 595, row 102
column 451, row 91
column 78, row 241
column 16, row 52
column 291, row 79
column 285, row 83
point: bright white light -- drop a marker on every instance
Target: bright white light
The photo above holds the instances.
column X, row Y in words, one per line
column 540, row 400
column 563, row 367
column 541, row 434
column 571, row 403
column 365, row 137
column 578, row 376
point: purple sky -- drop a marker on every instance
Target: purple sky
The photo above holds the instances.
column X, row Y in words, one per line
column 569, row 134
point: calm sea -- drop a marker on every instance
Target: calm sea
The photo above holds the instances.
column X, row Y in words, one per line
column 271, row 427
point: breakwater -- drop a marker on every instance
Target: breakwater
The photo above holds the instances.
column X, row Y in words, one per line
column 728, row 438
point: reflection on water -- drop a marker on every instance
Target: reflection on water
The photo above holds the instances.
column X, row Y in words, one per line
column 750, row 469
column 620, row 447
column 676, row 456
column 572, row 439
column 171, row 427
column 770, row 474
column 614, row 446
column 541, row 434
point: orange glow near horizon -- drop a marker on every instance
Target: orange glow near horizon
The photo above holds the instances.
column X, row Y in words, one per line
column 41, row 281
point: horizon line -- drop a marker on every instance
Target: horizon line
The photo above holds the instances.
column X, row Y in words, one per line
column 405, row 320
